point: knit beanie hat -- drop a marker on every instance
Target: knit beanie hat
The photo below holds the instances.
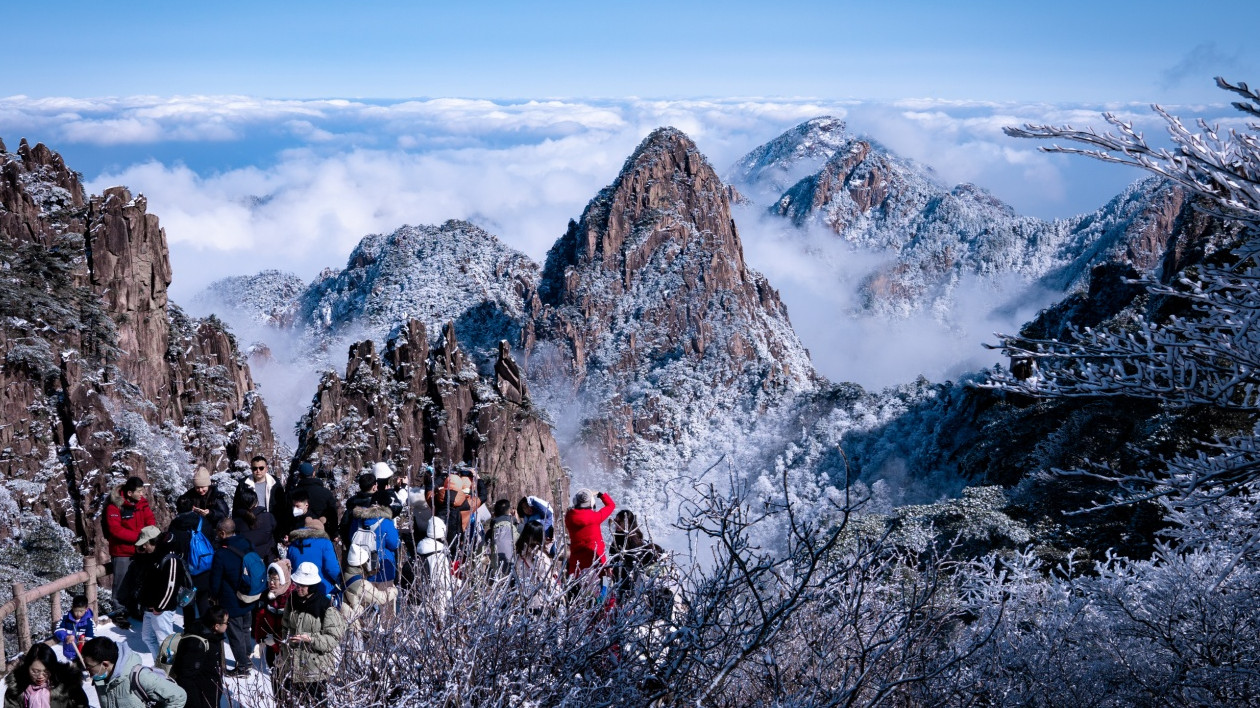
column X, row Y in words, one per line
column 584, row 499
column 201, row 478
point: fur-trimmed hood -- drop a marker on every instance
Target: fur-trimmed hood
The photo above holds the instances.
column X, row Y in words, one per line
column 372, row 512
column 307, row 532
column 116, row 497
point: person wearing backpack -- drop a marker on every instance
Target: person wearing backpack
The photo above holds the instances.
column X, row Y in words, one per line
column 198, row 662
column 123, row 681
column 363, row 498
column 501, row 539
column 313, row 629
column 235, row 565
column 371, row 560
column 164, row 582
column 191, row 540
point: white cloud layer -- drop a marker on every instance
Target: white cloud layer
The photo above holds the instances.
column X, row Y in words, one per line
column 243, row 184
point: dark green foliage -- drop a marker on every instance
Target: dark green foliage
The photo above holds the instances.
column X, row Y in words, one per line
column 44, row 297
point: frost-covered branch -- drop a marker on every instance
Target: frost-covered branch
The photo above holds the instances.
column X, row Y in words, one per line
column 1209, row 353
column 1223, row 168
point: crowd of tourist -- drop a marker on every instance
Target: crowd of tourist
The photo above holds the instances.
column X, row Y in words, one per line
column 282, row 572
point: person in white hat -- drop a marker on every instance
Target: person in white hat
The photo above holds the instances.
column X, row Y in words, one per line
column 313, row 628
column 431, row 550
column 390, row 491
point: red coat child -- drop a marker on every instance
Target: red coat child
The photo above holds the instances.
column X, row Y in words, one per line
column 586, row 537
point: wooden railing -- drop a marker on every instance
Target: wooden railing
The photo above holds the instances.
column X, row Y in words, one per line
column 22, row 598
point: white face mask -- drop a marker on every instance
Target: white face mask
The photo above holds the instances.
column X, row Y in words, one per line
column 298, row 511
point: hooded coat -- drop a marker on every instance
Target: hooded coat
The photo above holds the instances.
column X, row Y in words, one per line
column 586, row 538
column 270, row 611
column 313, row 545
column 313, row 661
column 116, row 691
column 386, row 539
column 123, row 521
column 82, row 629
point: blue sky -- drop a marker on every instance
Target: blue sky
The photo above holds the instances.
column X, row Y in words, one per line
column 278, row 134
column 999, row 51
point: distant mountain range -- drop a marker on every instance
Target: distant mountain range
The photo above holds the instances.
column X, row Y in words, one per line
column 641, row 354
column 935, row 235
column 655, row 350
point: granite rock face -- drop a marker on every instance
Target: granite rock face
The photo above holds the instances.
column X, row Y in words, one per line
column 664, row 324
column 103, row 378
column 412, row 406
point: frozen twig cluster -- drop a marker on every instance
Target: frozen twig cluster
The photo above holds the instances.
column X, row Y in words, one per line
column 1208, row 353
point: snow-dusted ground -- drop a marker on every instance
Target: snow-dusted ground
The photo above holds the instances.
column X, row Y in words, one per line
column 253, row 691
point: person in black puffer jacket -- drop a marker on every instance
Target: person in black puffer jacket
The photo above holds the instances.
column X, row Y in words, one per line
column 323, row 505
column 257, row 525
column 198, row 664
column 225, row 574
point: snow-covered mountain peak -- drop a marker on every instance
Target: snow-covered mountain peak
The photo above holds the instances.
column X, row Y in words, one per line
column 670, row 333
column 780, row 163
column 435, row 274
column 269, row 297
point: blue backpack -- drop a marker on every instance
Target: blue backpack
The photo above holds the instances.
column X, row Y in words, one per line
column 200, row 552
column 253, row 581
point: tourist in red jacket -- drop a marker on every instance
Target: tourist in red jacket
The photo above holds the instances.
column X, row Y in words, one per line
column 584, row 524
column 126, row 512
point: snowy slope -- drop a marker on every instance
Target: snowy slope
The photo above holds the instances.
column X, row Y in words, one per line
column 771, row 168
column 270, row 297
column 453, row 272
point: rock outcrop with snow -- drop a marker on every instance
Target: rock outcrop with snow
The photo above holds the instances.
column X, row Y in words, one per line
column 669, row 333
column 435, row 274
column 777, row 165
column 103, row 377
column 412, row 407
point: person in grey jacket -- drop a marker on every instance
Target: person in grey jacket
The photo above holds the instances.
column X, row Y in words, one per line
column 122, row 681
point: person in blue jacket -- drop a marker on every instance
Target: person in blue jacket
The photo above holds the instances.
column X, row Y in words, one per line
column 364, row 588
column 77, row 626
column 380, row 520
column 225, row 576
column 311, row 544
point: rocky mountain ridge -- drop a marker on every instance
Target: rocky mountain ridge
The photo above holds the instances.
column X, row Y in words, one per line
column 937, row 236
column 653, row 346
column 412, row 407
column 666, row 327
column 103, row 377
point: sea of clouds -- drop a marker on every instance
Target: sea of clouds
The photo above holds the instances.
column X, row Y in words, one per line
column 245, row 184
